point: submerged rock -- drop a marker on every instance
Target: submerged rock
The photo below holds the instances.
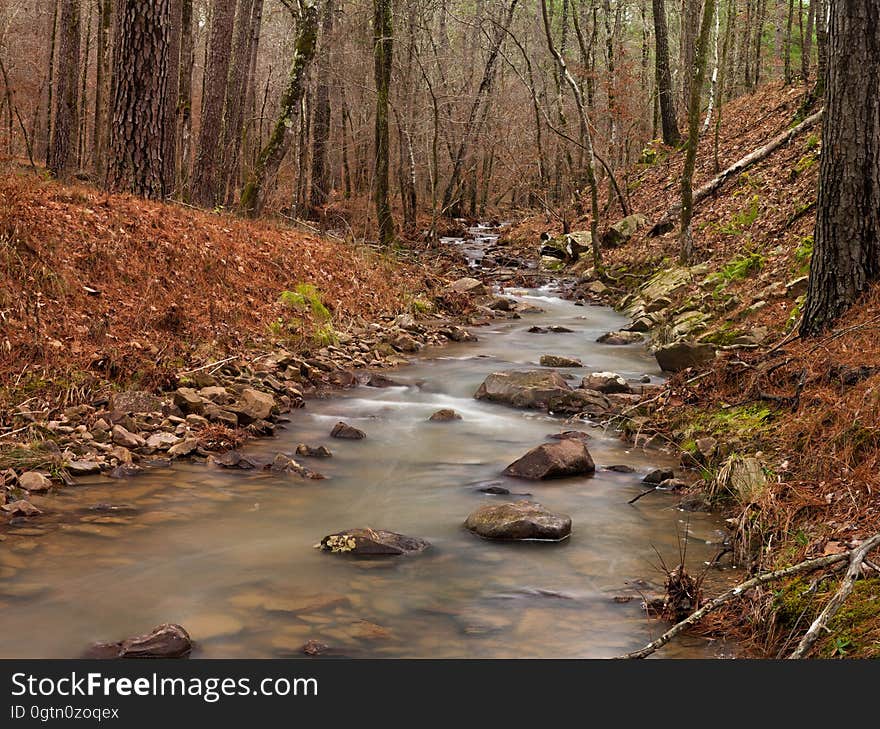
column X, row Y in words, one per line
column 621, row 337
column 347, row 432
column 285, row 464
column 590, row 402
column 444, row 415
column 380, row 380
column 553, row 360
column 234, row 459
column 313, row 452
column 568, row 457
column 372, row 542
column 658, row 475
column 529, row 389
column 520, row 520
column 165, row 641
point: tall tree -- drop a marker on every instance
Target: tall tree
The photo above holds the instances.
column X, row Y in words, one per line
column 253, row 195
column 846, row 250
column 138, row 115
column 383, row 49
column 102, row 86
column 698, row 78
column 205, row 186
column 690, row 26
column 669, row 123
column 183, row 131
column 320, row 178
column 172, row 106
column 62, row 152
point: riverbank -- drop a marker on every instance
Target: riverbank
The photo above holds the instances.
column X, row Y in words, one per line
column 781, row 434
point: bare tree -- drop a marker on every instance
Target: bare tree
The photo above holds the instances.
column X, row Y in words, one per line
column 62, row 152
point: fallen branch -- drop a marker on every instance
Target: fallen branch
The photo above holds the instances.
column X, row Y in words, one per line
column 856, row 558
column 809, row 565
column 208, row 366
column 667, row 222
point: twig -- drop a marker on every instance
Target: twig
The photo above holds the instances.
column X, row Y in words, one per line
column 809, row 565
column 208, row 366
column 644, row 493
column 18, row 430
column 856, row 558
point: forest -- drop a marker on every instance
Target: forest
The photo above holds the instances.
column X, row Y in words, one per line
column 579, row 295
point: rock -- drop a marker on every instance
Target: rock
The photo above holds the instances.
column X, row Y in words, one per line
column 135, row 401
column 347, row 432
column 681, row 355
column 253, row 405
column 188, row 400
column 706, row 448
column 314, row 648
column 623, row 230
column 444, row 416
column 216, row 414
column 502, row 303
column 594, row 404
column 537, row 330
column 575, row 434
column 672, row 484
column 658, row 475
column 162, row 441
column 620, row 468
column 380, row 380
column 126, row 439
column 82, row 468
column 21, row 507
column 567, row 457
column 620, row 337
column 495, row 491
column 556, row 329
column 797, row 286
column 606, row 382
column 216, row 394
column 529, row 389
column 457, row 334
column 468, row 286
column 552, row 360
column 642, row 324
column 312, row 452
column 597, row 288
column 183, row 448
column 518, row 521
column 285, row 464
column 372, row 542
column 743, row 477
column 164, row 641
column 233, row 459
column 125, row 470
column 34, row 481
column 405, row 343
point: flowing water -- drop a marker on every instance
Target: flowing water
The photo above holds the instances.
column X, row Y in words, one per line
column 230, row 555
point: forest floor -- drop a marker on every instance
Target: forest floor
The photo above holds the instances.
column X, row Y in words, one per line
column 809, row 411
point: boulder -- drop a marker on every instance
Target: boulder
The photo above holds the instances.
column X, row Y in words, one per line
column 347, row 432
column 162, row 441
column 520, row 520
column 379, row 380
column 523, row 389
column 567, row 457
column 253, row 405
column 372, row 542
column 468, row 286
column 592, row 403
column 82, row 468
column 658, row 476
column 606, row 382
column 313, row 452
column 127, row 439
column 553, row 360
column 621, row 337
column 135, row 401
column 681, row 355
column 164, row 641
column 623, row 230
column 216, row 394
column 34, row 481
column 234, row 460
column 188, row 400
column 184, row 447
column 284, row 464
column 444, row 416
column 405, row 343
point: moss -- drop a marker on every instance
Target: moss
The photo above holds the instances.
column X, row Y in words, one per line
column 853, row 632
column 742, row 220
column 724, row 336
column 307, row 298
column 803, row 253
column 737, row 268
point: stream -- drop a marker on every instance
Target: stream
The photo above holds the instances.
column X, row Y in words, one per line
column 229, row 555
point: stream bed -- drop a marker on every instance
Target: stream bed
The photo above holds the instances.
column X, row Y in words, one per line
column 231, row 557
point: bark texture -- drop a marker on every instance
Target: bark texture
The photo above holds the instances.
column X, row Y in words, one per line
column 666, row 95
column 62, row 152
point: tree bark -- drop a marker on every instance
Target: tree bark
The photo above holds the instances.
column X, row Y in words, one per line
column 206, row 170
column 102, row 87
column 183, row 131
column 138, row 116
column 172, row 105
column 253, row 195
column 669, row 123
column 383, row 49
column 62, row 157
column 687, row 178
column 320, row 183
column 846, row 249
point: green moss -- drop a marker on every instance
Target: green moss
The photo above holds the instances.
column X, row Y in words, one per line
column 306, row 298
column 803, row 253
column 737, row 268
column 744, row 219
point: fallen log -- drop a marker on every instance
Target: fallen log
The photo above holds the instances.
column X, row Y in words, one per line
column 667, row 222
column 855, row 556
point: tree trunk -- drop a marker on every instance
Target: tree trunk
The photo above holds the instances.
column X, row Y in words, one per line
column 138, row 115
column 787, row 53
column 383, row 48
column 690, row 26
column 253, row 195
column 102, row 87
column 846, row 249
column 669, row 123
column 807, row 46
column 50, row 83
column 172, row 105
column 320, row 185
column 206, row 171
column 62, row 157
column 183, row 131
column 687, row 178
